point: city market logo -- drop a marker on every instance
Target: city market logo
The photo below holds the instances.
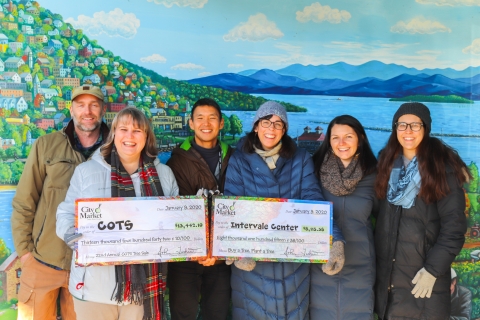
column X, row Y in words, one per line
column 224, row 210
column 90, row 213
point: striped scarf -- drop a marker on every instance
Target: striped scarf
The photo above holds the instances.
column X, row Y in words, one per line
column 139, row 283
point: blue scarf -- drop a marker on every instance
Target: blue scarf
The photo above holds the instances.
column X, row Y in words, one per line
column 404, row 184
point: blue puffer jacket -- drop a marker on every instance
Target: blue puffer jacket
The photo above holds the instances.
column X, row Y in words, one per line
column 273, row 290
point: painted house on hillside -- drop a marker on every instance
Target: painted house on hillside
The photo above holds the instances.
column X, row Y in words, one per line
column 14, row 63
column 13, row 103
column 55, row 43
column 101, row 61
column 14, row 46
column 11, row 77
column 94, row 78
column 10, row 271
column 71, row 51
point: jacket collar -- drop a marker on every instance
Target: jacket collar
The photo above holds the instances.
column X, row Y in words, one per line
column 68, row 132
column 187, row 145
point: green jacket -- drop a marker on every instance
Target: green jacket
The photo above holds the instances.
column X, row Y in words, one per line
column 42, row 186
column 191, row 170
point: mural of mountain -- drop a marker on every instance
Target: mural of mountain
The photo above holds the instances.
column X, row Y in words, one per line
column 269, row 81
column 376, row 69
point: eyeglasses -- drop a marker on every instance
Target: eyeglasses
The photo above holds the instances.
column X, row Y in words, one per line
column 267, row 124
column 414, row 126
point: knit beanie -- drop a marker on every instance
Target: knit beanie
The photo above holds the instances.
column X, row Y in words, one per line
column 271, row 108
column 416, row 108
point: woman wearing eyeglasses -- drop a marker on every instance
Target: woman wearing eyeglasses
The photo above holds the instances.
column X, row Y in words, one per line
column 267, row 163
column 421, row 222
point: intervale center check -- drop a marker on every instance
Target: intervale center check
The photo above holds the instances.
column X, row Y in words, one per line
column 160, row 229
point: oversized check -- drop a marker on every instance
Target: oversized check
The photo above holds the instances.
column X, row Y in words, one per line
column 268, row 229
column 140, row 230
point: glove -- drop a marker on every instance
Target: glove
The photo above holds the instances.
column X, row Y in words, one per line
column 71, row 237
column 246, row 264
column 424, row 282
column 336, row 260
column 202, row 192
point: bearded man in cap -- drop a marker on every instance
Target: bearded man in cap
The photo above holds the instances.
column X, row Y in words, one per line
column 45, row 258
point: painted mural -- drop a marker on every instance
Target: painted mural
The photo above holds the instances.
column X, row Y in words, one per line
column 319, row 58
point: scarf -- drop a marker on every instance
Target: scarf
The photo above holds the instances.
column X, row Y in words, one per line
column 337, row 179
column 404, row 183
column 270, row 156
column 139, row 283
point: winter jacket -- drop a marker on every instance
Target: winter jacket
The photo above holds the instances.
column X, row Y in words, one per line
column 349, row 294
column 461, row 304
column 42, row 186
column 406, row 240
column 92, row 179
column 192, row 171
column 273, row 290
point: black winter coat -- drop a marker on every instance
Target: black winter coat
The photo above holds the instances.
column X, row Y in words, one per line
column 348, row 295
column 406, row 240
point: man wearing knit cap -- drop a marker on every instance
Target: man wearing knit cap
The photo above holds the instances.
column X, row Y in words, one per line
column 43, row 185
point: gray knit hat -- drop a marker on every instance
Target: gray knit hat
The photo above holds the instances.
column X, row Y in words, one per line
column 272, row 108
column 416, row 108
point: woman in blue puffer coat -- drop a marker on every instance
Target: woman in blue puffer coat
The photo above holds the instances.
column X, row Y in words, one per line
column 267, row 163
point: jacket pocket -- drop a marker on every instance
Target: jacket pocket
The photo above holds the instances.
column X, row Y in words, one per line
column 59, row 172
column 26, row 293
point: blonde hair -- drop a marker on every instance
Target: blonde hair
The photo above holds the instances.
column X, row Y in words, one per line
column 140, row 121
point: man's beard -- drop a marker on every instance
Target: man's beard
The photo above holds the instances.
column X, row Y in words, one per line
column 83, row 128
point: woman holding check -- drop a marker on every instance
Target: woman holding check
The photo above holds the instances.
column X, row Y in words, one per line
column 267, row 163
column 126, row 166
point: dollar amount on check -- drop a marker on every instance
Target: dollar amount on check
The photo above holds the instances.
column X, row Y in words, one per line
column 271, row 229
column 140, row 230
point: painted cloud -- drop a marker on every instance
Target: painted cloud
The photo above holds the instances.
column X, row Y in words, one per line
column 196, row 4
column 451, row 3
column 115, row 23
column 318, row 13
column 154, row 58
column 474, row 48
column 257, row 28
column 419, row 25
column 187, row 66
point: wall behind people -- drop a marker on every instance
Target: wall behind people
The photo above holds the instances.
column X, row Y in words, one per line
column 320, row 59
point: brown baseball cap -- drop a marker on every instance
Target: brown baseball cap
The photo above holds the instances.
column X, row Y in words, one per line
column 88, row 89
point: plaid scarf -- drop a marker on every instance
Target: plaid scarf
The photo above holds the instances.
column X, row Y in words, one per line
column 139, row 283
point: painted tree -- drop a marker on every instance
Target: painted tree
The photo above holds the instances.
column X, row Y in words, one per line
column 4, row 251
column 5, row 172
column 17, row 168
column 236, row 125
column 226, row 125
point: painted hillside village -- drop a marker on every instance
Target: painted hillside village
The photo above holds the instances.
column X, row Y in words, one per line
column 42, row 58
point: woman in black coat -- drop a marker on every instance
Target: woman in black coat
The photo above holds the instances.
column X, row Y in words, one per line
column 345, row 165
column 421, row 222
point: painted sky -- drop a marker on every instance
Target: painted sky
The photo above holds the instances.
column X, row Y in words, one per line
column 186, row 39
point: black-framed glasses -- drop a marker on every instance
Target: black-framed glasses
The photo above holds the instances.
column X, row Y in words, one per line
column 276, row 124
column 414, row 126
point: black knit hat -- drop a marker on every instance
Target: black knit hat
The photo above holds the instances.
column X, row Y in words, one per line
column 416, row 108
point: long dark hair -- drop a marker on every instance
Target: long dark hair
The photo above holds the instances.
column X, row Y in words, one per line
column 433, row 157
column 366, row 158
column 288, row 145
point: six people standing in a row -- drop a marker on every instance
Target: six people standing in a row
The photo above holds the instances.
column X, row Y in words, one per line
column 414, row 193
